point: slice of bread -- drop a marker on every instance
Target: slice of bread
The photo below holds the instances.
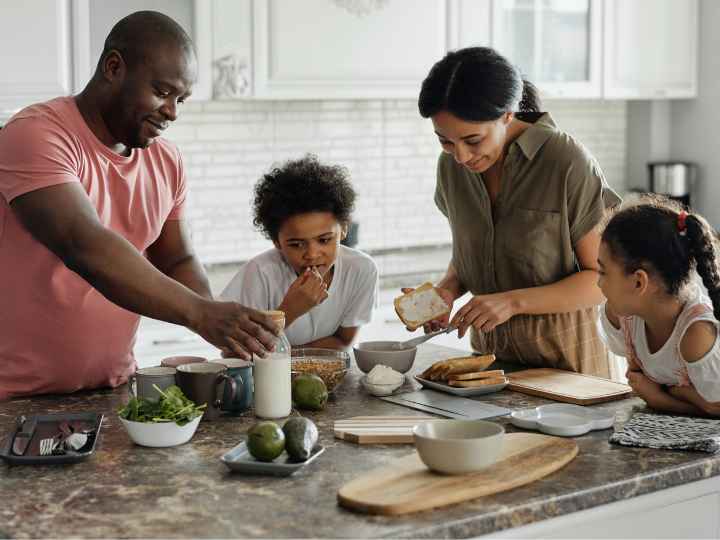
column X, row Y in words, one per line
column 477, row 382
column 422, row 305
column 477, row 375
column 444, row 369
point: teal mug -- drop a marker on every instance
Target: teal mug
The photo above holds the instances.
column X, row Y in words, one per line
column 241, row 373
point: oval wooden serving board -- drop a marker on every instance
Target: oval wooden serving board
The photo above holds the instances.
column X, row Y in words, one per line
column 407, row 485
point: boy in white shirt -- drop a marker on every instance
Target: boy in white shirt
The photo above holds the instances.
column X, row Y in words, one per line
column 326, row 290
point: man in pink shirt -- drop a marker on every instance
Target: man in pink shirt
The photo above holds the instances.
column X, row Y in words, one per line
column 91, row 223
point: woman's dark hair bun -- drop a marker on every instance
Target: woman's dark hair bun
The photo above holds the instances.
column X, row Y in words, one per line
column 476, row 84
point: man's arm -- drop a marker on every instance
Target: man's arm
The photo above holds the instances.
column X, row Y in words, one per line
column 63, row 219
column 173, row 255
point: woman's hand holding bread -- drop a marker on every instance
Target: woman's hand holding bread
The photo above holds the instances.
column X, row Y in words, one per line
column 425, row 306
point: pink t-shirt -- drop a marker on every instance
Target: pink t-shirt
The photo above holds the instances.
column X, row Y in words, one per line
column 57, row 333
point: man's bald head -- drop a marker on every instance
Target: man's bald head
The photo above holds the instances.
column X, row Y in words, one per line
column 136, row 36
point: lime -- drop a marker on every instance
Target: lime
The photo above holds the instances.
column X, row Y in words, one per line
column 265, row 441
column 309, row 392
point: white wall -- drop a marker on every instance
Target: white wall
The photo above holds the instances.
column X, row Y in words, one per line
column 389, row 149
column 695, row 122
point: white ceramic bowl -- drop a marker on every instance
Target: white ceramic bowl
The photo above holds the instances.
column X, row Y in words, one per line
column 371, row 353
column 160, row 434
column 458, row 446
column 380, row 389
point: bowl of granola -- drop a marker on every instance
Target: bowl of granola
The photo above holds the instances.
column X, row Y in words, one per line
column 329, row 364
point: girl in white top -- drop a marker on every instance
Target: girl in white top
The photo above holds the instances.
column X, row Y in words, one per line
column 656, row 315
column 326, row 290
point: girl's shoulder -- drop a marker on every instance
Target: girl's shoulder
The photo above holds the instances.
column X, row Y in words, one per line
column 697, row 327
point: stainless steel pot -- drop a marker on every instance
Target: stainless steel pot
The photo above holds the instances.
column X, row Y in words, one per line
column 672, row 178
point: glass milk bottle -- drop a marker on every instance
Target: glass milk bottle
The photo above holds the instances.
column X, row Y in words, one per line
column 273, row 397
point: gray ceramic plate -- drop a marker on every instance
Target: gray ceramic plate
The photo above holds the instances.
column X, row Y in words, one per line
column 47, row 426
column 476, row 391
column 239, row 460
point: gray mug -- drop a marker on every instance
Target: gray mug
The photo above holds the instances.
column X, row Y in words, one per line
column 241, row 372
column 141, row 382
column 204, row 383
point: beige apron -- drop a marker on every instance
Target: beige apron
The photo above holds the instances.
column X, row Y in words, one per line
column 568, row 341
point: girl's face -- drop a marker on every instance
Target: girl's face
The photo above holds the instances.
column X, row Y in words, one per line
column 310, row 240
column 622, row 290
column 476, row 145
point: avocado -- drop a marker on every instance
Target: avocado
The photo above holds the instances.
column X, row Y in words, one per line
column 309, row 392
column 301, row 436
column 265, row 441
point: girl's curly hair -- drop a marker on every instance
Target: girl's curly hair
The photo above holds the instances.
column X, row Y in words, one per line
column 298, row 187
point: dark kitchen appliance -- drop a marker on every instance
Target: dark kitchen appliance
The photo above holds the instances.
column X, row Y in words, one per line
column 674, row 179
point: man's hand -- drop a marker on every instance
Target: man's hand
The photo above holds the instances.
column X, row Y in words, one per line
column 306, row 292
column 484, row 312
column 442, row 322
column 235, row 329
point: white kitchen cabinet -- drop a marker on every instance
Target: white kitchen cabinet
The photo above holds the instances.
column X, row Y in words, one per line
column 684, row 511
column 93, row 20
column 326, row 49
column 36, row 63
column 557, row 44
column 651, row 49
column 469, row 23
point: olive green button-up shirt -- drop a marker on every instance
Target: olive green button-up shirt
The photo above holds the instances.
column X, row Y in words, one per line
column 552, row 193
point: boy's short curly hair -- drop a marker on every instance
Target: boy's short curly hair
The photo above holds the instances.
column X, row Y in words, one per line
column 300, row 186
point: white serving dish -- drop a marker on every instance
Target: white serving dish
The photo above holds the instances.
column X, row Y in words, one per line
column 458, row 446
column 563, row 419
column 459, row 391
column 381, row 389
column 160, row 434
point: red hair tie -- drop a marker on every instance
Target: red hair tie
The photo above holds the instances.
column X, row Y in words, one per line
column 681, row 225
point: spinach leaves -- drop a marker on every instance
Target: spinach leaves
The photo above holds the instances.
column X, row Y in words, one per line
column 172, row 406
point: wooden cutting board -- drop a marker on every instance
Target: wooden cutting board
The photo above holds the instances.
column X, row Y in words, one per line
column 407, row 485
column 566, row 386
column 378, row 429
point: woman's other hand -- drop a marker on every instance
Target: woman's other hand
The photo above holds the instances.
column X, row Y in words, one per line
column 442, row 322
column 484, row 312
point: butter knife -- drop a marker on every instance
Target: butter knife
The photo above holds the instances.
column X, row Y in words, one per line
column 24, row 436
column 414, row 342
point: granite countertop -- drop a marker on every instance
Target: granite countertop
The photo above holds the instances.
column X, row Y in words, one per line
column 125, row 490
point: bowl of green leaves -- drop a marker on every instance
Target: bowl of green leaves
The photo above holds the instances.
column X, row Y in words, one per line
column 168, row 421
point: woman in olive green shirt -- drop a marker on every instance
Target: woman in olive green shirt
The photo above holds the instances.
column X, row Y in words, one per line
column 523, row 200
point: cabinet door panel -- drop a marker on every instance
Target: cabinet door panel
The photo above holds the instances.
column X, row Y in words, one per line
column 651, row 48
column 556, row 44
column 337, row 48
column 35, row 64
column 94, row 19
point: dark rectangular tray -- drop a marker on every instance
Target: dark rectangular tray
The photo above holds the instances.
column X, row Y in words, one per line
column 47, row 426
